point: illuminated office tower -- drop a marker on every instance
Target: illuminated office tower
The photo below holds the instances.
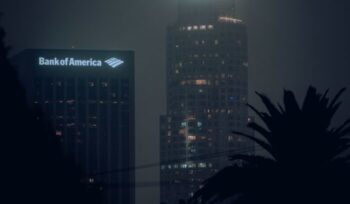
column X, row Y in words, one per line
column 88, row 97
column 206, row 96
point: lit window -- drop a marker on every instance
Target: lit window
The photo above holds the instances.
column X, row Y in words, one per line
column 59, row 133
column 229, row 19
column 182, row 132
column 192, row 138
column 70, row 101
column 201, row 82
column 191, row 165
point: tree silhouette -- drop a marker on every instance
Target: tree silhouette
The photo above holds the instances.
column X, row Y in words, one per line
column 306, row 163
column 33, row 169
column 181, row 201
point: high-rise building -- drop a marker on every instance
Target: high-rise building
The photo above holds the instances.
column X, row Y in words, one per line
column 88, row 97
column 207, row 66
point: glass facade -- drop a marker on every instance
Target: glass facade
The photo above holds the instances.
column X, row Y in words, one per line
column 207, row 67
column 91, row 110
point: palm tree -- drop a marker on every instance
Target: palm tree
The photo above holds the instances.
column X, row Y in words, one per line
column 306, row 161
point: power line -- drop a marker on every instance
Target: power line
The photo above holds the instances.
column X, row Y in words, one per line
column 150, row 184
column 146, row 184
column 194, row 158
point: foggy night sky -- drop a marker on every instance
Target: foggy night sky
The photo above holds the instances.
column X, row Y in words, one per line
column 292, row 44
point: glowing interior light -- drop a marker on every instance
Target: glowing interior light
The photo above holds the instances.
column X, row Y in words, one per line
column 229, row 19
column 201, row 82
column 191, row 138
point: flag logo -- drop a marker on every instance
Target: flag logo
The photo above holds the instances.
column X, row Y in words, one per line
column 114, row 62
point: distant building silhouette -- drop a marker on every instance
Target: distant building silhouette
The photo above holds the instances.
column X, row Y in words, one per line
column 88, row 98
column 207, row 67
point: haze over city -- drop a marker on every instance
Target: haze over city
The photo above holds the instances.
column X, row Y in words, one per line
column 292, row 44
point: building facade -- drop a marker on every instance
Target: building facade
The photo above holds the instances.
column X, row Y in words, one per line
column 88, row 97
column 207, row 68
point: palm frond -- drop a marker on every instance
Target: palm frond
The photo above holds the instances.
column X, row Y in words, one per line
column 261, row 130
column 229, row 182
column 272, row 109
column 335, row 99
column 260, row 142
column 253, row 159
column 260, row 114
column 290, row 102
column 301, row 143
column 342, row 127
column 309, row 100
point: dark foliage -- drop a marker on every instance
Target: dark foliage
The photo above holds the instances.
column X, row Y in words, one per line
column 181, row 201
column 33, row 169
column 307, row 163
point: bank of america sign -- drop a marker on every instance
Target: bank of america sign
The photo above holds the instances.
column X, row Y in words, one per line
column 75, row 62
column 114, row 62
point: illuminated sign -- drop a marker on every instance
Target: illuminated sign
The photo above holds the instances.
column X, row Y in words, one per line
column 114, row 62
column 74, row 62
